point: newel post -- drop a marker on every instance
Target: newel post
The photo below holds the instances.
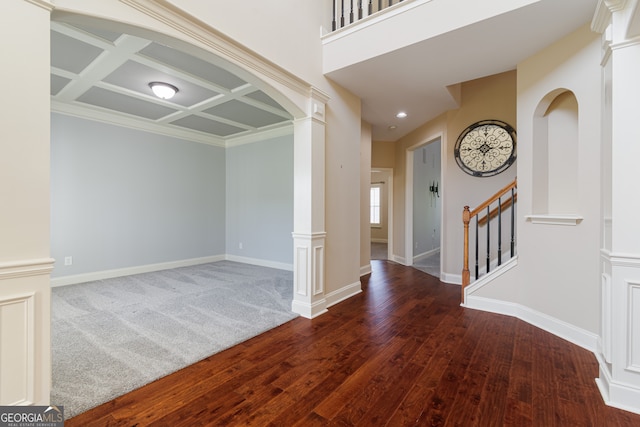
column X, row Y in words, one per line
column 466, row 217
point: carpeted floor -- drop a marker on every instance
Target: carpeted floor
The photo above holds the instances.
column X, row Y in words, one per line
column 112, row 336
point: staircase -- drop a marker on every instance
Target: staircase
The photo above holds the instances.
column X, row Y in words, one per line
column 489, row 238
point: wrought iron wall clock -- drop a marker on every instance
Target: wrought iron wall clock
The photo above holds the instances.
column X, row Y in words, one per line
column 486, row 148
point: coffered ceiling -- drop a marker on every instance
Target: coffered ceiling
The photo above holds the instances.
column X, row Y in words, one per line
column 105, row 75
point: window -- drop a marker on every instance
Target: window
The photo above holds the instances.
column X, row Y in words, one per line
column 375, row 219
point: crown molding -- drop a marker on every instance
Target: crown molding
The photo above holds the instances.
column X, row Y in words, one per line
column 116, row 119
column 604, row 10
column 275, row 132
column 99, row 115
column 46, row 5
column 219, row 43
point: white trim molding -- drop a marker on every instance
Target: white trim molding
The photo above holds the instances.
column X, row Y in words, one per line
column 165, row 12
column 128, row 271
column 450, row 278
column 557, row 327
column 18, row 311
column 26, row 268
column 551, row 219
column 365, row 269
column 309, row 299
column 487, row 278
column 343, row 293
column 149, row 268
column 46, row 5
column 614, row 393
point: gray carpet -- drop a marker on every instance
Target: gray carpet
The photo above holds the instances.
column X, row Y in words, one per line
column 112, row 336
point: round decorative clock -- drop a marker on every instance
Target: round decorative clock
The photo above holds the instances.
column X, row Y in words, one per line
column 486, row 148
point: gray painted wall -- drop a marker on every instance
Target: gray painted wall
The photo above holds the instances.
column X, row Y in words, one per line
column 123, row 198
column 426, row 206
column 260, row 200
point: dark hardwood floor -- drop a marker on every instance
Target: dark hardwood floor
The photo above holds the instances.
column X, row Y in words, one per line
column 402, row 353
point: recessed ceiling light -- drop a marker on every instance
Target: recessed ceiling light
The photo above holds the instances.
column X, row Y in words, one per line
column 401, row 115
column 392, row 127
column 163, row 90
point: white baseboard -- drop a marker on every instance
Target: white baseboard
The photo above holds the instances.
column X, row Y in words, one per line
column 485, row 279
column 365, row 269
column 343, row 293
column 453, row 279
column 426, row 254
column 260, row 262
column 398, row 259
column 615, row 394
column 109, row 274
column 120, row 272
column 557, row 327
column 309, row 311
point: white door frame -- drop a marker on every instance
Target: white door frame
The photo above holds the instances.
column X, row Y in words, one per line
column 389, row 181
column 408, row 252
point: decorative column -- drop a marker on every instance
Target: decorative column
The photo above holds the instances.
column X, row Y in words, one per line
column 25, row 266
column 619, row 352
column 308, row 220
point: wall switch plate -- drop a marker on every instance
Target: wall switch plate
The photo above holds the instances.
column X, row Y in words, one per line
column 68, row 260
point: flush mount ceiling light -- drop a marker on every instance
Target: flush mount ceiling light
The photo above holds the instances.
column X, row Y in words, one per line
column 401, row 115
column 163, row 90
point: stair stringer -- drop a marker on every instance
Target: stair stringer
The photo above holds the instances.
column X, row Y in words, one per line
column 488, row 278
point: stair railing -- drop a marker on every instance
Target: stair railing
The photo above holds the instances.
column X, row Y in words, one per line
column 349, row 11
column 491, row 216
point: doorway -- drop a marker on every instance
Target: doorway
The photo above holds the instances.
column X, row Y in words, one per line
column 424, row 201
column 382, row 213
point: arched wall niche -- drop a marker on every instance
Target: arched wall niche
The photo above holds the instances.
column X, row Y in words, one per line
column 555, row 155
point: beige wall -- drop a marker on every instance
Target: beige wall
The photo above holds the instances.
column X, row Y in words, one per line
column 383, row 154
column 568, row 287
column 382, row 158
column 492, row 97
column 365, row 177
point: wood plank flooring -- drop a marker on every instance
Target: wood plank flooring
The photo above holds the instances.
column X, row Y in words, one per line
column 402, row 353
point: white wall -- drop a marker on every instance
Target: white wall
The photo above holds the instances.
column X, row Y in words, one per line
column 366, row 174
column 259, row 200
column 25, row 263
column 558, row 265
column 124, row 198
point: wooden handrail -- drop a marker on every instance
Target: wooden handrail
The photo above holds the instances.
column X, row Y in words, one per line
column 494, row 212
column 493, row 198
column 467, row 214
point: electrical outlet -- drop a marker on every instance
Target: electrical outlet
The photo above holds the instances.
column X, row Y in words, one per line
column 240, row 245
column 68, row 260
